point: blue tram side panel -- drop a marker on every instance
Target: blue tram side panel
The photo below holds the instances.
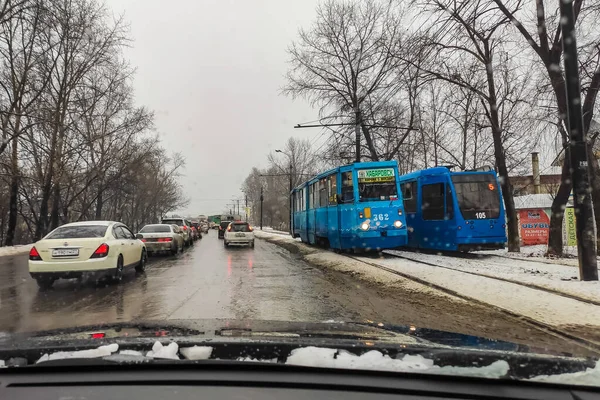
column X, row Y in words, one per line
column 356, row 206
column 457, row 211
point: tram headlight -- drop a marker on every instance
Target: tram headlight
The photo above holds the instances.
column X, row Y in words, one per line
column 399, row 211
column 398, row 224
column 364, row 226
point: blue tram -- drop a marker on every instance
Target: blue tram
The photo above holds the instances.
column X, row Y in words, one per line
column 357, row 206
column 460, row 211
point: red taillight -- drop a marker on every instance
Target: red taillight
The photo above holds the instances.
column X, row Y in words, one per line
column 143, row 240
column 34, row 255
column 98, row 335
column 229, row 229
column 185, row 228
column 168, row 239
column 249, row 228
column 101, row 251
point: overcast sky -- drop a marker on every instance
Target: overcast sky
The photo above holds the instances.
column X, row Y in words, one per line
column 212, row 71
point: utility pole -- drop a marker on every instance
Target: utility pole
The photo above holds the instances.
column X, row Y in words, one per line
column 291, row 199
column 582, row 197
column 246, row 206
column 357, row 132
column 261, row 207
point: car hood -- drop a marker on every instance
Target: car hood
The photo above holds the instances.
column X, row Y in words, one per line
column 283, row 343
column 328, row 332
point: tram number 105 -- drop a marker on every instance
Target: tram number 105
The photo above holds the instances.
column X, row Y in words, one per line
column 480, row 215
column 381, row 217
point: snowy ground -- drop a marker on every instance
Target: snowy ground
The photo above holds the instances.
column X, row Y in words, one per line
column 537, row 253
column 12, row 250
column 553, row 276
column 456, row 277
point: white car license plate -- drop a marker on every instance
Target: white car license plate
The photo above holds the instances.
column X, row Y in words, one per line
column 240, row 235
column 65, row 252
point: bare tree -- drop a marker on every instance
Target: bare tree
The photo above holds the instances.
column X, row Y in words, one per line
column 547, row 45
column 345, row 63
column 467, row 34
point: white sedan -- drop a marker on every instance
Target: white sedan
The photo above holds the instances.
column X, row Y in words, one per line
column 78, row 249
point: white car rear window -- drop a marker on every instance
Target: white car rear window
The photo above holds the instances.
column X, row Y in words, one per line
column 78, row 232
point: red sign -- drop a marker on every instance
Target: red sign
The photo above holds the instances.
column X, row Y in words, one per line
column 534, row 227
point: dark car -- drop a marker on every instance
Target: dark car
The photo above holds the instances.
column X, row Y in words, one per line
column 222, row 227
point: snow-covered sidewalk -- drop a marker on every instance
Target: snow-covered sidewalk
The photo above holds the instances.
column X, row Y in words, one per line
column 537, row 305
column 13, row 250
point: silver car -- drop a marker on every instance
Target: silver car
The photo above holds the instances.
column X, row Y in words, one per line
column 162, row 238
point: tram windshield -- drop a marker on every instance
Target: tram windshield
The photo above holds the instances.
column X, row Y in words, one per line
column 477, row 195
column 377, row 184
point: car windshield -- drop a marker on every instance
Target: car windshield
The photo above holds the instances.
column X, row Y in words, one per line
column 155, row 229
column 410, row 182
column 78, row 232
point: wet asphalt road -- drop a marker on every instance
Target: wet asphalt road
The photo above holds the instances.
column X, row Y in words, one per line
column 206, row 281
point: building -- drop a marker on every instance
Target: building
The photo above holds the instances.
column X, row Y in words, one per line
column 536, row 183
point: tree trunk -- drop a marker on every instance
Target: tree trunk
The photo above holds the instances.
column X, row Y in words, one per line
column 514, row 244
column 99, row 204
column 12, row 214
column 555, row 239
column 55, row 207
column 13, row 196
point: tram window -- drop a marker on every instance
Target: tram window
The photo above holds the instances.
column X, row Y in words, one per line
column 333, row 189
column 432, row 201
column 323, row 192
column 315, row 195
column 409, row 195
column 302, row 199
column 347, row 187
column 311, row 200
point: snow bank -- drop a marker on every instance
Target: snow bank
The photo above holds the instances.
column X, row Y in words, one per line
column 196, row 352
column 375, row 360
column 14, row 250
column 101, row 351
column 160, row 351
column 590, row 376
column 2, row 364
column 357, row 269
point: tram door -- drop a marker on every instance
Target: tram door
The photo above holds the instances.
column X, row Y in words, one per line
column 413, row 221
column 333, row 213
column 436, row 215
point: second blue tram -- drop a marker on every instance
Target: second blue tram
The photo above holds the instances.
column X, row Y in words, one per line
column 459, row 211
column 357, row 206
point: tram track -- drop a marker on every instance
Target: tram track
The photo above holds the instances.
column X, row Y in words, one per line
column 590, row 345
column 525, row 284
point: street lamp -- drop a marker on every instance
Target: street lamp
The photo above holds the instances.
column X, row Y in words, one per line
column 290, row 188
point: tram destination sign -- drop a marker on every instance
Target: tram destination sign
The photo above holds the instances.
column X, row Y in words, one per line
column 376, row 175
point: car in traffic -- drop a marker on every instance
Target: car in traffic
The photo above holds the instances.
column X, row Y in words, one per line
column 239, row 233
column 186, row 228
column 204, row 227
column 161, row 238
column 222, row 226
column 75, row 250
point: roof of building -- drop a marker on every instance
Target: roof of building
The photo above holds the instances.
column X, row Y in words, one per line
column 530, row 201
